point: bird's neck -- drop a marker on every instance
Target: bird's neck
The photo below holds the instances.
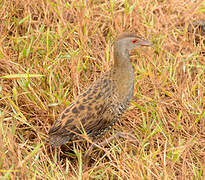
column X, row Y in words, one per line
column 121, row 59
column 124, row 75
column 123, row 66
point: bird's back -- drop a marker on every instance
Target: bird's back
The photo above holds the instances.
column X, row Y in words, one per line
column 92, row 112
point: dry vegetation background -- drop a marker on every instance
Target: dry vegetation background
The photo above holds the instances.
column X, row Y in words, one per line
column 51, row 50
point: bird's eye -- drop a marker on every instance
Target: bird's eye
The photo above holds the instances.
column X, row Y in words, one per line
column 134, row 41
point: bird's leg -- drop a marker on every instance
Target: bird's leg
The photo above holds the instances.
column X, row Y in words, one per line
column 87, row 154
column 119, row 135
column 107, row 141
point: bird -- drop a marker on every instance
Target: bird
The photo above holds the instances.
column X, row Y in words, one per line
column 101, row 105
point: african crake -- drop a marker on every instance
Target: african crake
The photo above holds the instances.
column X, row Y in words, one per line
column 101, row 105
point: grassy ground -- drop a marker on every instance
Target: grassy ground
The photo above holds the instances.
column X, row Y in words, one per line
column 51, row 50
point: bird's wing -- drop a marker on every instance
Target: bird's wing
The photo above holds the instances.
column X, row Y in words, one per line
column 89, row 113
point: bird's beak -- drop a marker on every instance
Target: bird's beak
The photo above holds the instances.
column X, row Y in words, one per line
column 144, row 42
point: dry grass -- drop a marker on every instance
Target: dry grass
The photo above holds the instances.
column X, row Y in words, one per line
column 52, row 50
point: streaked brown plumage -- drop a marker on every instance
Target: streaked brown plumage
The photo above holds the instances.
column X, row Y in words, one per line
column 101, row 105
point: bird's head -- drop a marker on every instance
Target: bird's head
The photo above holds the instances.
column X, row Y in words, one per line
column 130, row 41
